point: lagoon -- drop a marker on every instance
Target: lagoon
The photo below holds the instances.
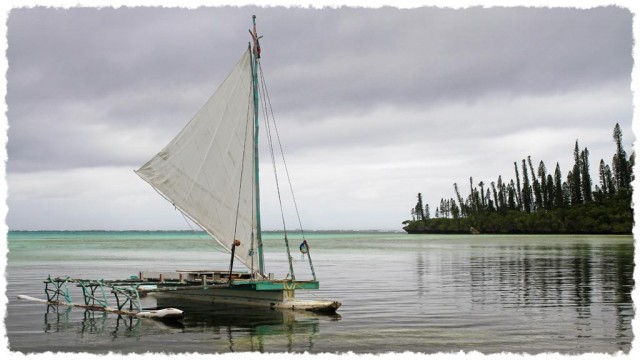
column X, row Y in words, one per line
column 400, row 292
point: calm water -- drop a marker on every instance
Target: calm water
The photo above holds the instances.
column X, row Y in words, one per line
column 419, row 293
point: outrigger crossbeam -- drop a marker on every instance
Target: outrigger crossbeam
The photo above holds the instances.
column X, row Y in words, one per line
column 94, row 294
column 124, row 293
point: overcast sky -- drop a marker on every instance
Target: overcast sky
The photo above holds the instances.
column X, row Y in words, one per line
column 373, row 105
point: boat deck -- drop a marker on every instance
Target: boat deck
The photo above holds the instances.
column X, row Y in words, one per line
column 216, row 278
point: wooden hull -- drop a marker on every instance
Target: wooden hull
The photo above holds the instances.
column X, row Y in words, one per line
column 211, row 286
column 274, row 299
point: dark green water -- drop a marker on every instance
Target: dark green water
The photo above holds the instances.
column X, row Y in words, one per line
column 419, row 293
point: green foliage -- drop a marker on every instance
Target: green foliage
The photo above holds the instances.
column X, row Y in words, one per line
column 540, row 205
column 606, row 216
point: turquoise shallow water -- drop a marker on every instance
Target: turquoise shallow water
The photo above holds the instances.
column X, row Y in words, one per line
column 419, row 293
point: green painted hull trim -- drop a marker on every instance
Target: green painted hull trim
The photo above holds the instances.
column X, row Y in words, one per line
column 278, row 286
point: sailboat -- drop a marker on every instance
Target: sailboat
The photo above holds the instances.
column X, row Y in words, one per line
column 210, row 173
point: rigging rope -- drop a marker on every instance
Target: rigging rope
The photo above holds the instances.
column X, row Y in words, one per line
column 284, row 162
column 186, row 219
column 216, row 248
column 275, row 172
column 267, row 100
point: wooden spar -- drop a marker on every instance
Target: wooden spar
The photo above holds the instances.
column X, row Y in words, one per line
column 168, row 313
column 256, row 151
column 233, row 253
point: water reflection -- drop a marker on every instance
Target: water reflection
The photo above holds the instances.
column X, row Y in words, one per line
column 574, row 287
column 231, row 328
column 59, row 319
column 530, row 275
column 56, row 320
column 255, row 328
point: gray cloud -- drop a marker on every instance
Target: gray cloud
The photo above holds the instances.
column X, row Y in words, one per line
column 430, row 55
column 319, row 62
column 413, row 98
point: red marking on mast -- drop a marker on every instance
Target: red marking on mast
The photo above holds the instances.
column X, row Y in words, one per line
column 256, row 43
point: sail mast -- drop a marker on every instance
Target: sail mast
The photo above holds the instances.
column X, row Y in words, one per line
column 256, row 108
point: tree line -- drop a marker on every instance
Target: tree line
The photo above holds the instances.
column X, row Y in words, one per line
column 538, row 200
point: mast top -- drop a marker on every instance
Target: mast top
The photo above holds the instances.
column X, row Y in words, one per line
column 256, row 38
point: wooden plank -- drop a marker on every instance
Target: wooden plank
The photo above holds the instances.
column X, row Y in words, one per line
column 168, row 313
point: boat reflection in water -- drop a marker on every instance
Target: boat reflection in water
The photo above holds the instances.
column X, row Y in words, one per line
column 252, row 328
column 230, row 328
column 60, row 320
column 234, row 316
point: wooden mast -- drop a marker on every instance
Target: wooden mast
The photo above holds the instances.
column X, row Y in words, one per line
column 256, row 108
column 255, row 55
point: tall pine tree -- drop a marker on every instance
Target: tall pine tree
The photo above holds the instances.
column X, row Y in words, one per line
column 621, row 168
column 526, row 188
column 586, row 178
column 573, row 179
column 558, row 189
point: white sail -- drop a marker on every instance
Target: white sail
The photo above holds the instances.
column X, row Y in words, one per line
column 207, row 170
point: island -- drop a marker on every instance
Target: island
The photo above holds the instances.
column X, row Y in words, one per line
column 539, row 202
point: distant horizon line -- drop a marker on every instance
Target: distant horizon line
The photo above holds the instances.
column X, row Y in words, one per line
column 202, row 231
